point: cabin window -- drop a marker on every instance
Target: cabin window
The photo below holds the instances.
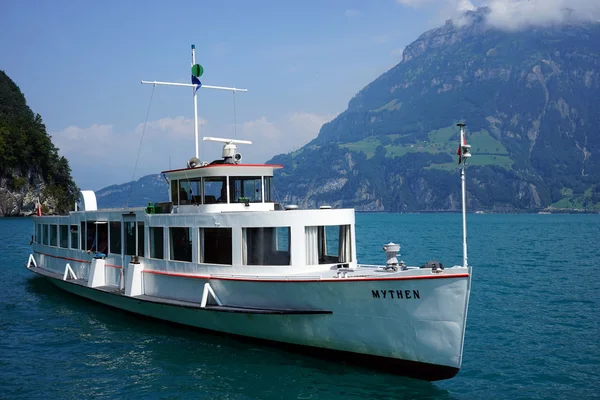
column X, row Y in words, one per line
column 74, row 236
column 130, row 245
column 175, row 191
column 215, row 190
column 215, row 246
column 45, row 233
column 266, row 246
column 267, row 189
column 115, row 237
column 53, row 235
column 90, row 235
column 157, row 242
column 100, row 242
column 83, row 235
column 64, row 236
column 180, row 244
column 328, row 244
column 245, row 189
column 38, row 233
column 140, row 239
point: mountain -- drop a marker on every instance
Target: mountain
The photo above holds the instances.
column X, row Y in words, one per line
column 149, row 188
column 30, row 167
column 530, row 101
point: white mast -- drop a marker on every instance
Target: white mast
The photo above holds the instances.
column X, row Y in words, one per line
column 464, row 151
column 194, row 90
column 194, row 87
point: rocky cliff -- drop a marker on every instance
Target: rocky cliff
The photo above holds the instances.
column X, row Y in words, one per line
column 30, row 168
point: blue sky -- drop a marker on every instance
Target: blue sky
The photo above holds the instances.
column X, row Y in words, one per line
column 79, row 64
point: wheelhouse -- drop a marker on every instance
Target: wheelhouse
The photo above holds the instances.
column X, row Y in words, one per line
column 221, row 187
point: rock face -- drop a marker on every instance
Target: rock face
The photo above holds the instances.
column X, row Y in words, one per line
column 22, row 201
column 31, row 170
column 530, row 101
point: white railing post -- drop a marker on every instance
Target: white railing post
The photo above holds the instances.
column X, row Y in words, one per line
column 69, row 273
column 208, row 290
column 30, row 261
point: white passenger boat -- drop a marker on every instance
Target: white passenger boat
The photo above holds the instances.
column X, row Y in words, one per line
column 221, row 255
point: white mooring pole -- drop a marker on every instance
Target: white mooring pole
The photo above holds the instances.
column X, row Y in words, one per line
column 464, row 154
column 193, row 86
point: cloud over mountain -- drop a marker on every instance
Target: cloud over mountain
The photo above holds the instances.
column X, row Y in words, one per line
column 516, row 14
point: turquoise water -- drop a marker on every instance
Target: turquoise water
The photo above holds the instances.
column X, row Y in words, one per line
column 532, row 331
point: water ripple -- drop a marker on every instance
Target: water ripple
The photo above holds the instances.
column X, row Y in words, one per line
column 532, row 329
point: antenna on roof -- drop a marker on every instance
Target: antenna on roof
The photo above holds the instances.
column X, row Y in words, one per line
column 197, row 71
column 230, row 154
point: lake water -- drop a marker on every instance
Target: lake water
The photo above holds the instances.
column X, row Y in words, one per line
column 532, row 330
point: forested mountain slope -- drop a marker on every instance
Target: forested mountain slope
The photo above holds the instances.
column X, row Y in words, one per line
column 30, row 166
column 530, row 101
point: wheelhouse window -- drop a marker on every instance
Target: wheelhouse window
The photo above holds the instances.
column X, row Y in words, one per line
column 196, row 190
column 74, row 236
column 115, row 237
column 245, row 189
column 215, row 190
column 53, row 235
column 64, row 236
column 157, row 242
column 268, row 189
column 328, row 244
column 175, row 191
column 180, row 244
column 266, row 246
column 185, row 192
column 215, row 246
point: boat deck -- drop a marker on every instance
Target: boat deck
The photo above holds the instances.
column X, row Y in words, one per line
column 361, row 272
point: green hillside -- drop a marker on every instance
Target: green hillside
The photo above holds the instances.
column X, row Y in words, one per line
column 529, row 99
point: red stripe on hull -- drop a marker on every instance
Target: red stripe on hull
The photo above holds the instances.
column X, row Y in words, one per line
column 400, row 278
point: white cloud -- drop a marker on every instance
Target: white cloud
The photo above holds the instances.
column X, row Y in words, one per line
column 101, row 155
column 516, row 14
column 288, row 134
column 177, row 127
column 74, row 138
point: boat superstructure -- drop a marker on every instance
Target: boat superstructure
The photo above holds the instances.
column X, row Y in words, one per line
column 222, row 255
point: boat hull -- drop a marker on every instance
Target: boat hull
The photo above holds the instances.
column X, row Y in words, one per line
column 406, row 327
